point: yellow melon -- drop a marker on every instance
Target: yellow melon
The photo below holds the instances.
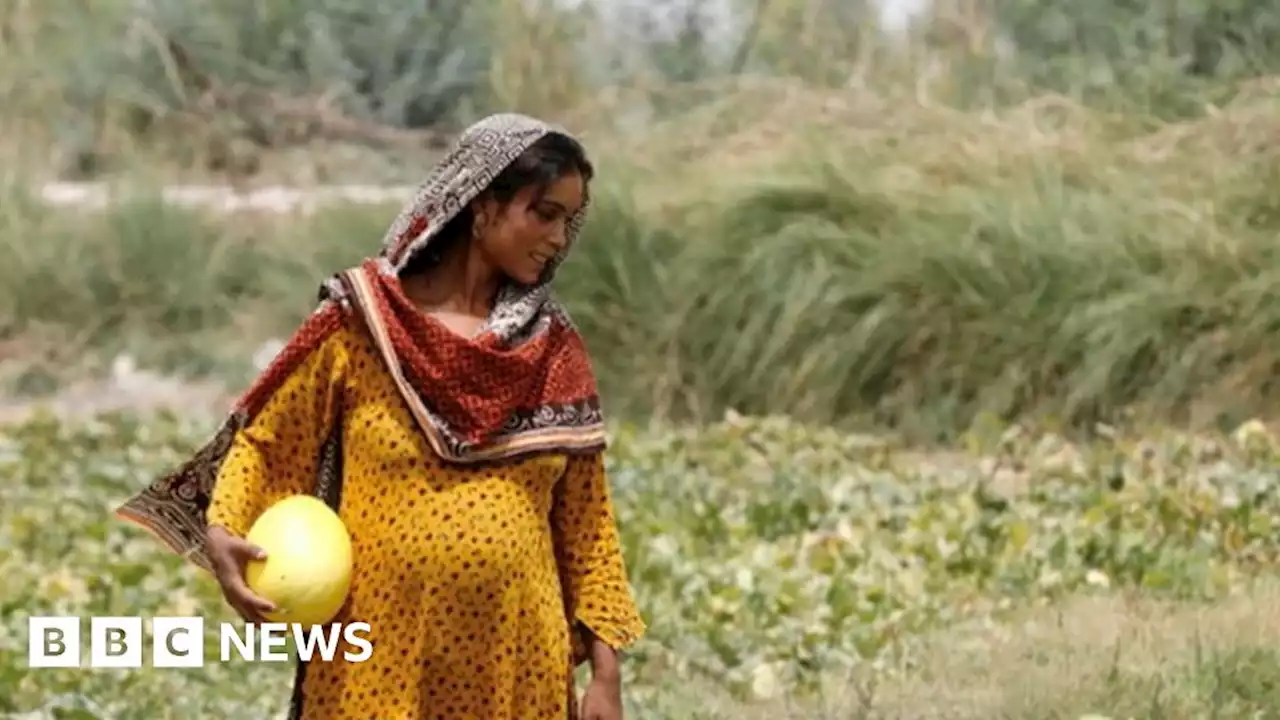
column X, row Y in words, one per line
column 307, row 571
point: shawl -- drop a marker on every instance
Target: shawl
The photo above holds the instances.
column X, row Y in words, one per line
column 522, row 385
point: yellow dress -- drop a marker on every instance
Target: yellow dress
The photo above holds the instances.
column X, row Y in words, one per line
column 462, row 573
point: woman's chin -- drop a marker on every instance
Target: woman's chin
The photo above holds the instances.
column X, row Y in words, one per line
column 528, row 276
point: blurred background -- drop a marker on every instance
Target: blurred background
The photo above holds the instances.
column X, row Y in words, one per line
column 938, row 336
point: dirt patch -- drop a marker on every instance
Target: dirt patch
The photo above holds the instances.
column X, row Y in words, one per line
column 127, row 390
column 226, row 198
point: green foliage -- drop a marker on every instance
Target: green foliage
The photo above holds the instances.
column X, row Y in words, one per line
column 404, row 64
column 1153, row 55
column 756, row 547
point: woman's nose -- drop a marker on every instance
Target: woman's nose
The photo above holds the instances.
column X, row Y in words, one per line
column 558, row 238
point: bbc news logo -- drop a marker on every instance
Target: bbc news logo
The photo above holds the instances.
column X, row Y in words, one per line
column 179, row 642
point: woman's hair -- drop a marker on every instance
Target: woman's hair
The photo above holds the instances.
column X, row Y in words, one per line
column 550, row 158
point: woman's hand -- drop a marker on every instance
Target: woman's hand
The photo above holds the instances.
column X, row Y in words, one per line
column 603, row 699
column 229, row 555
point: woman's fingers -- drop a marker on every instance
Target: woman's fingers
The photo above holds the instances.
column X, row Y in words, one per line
column 249, row 602
column 245, row 613
column 231, row 557
column 244, row 551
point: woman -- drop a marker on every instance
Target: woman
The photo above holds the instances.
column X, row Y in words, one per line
column 444, row 402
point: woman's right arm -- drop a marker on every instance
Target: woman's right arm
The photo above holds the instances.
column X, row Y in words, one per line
column 272, row 458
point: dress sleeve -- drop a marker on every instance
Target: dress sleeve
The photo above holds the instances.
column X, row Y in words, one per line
column 276, row 455
column 593, row 572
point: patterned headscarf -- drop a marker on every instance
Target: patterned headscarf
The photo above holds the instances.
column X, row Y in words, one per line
column 481, row 153
column 524, row 384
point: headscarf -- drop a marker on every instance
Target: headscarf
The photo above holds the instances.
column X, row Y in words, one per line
column 523, row 385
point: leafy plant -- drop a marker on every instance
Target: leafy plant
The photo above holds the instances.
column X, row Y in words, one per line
column 762, row 550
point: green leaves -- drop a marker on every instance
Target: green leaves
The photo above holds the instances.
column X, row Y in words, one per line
column 767, row 555
column 833, row 560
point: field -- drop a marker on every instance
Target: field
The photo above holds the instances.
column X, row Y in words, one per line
column 787, row 571
column 934, row 393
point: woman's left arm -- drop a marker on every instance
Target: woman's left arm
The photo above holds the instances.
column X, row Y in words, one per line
column 598, row 597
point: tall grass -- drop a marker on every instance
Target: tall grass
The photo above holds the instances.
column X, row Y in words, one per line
column 916, row 266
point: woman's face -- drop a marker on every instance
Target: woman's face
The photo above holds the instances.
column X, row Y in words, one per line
column 521, row 238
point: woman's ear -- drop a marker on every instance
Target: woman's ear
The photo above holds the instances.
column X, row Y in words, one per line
column 484, row 212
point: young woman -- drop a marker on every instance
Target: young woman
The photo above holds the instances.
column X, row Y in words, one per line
column 443, row 401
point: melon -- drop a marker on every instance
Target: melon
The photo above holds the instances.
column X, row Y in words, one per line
column 307, row 570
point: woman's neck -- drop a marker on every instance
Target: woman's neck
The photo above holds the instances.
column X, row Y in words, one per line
column 463, row 282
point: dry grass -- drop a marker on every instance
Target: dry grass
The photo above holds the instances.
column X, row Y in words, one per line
column 1116, row 655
